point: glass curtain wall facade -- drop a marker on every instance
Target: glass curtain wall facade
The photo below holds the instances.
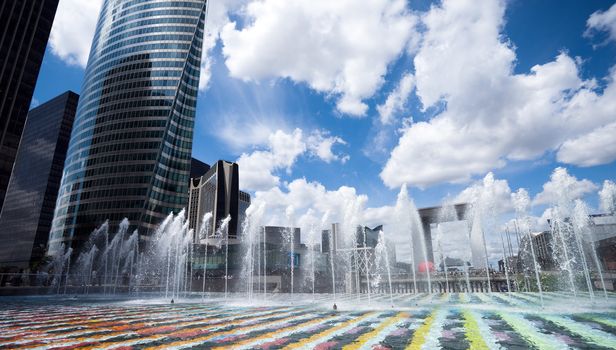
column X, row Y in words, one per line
column 24, row 29
column 130, row 149
column 25, row 219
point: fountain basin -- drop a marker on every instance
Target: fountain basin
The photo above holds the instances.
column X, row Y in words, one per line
column 492, row 320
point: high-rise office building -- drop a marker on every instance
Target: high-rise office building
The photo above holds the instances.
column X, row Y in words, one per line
column 217, row 192
column 24, row 30
column 25, row 219
column 130, row 150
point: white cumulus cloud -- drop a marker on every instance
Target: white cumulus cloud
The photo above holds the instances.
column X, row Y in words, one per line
column 341, row 48
column 396, row 99
column 73, row 30
column 301, row 201
column 258, row 169
column 596, row 147
column 489, row 115
column 563, row 188
column 490, row 193
column 320, row 144
column 603, row 21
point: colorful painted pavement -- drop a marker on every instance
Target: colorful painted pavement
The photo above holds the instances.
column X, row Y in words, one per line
column 458, row 321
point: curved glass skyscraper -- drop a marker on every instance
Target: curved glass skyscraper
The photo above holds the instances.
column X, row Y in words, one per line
column 130, row 148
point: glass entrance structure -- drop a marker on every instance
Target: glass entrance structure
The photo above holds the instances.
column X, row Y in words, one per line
column 130, row 148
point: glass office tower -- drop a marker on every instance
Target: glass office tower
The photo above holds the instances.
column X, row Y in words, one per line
column 130, row 149
column 25, row 219
column 24, row 29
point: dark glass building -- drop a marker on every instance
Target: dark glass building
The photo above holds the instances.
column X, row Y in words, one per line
column 130, row 150
column 24, row 30
column 217, row 192
column 26, row 216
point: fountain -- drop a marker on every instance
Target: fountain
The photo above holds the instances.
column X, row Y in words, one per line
column 166, row 268
column 506, row 263
column 582, row 228
column 312, row 244
column 383, row 264
column 521, row 203
column 332, row 263
column 251, row 235
column 367, row 264
column 204, row 233
column 562, row 229
column 406, row 223
column 166, row 263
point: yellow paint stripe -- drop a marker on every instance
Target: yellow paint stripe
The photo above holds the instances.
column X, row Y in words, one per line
column 419, row 337
column 328, row 332
column 262, row 337
column 473, row 334
column 370, row 335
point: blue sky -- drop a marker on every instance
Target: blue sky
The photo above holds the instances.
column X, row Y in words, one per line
column 290, row 95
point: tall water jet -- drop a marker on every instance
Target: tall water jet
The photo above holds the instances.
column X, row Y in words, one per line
column 251, row 235
column 332, row 263
column 521, row 204
column 486, row 198
column 86, row 263
column 204, row 233
column 118, row 258
column 312, row 242
column 478, row 241
column 562, row 186
column 419, row 233
column 607, row 197
column 382, row 263
column 367, row 261
column 115, row 249
column 165, row 260
column 459, row 240
column 129, row 252
column 347, row 238
column 67, row 262
column 264, row 251
column 580, row 222
column 309, row 223
column 443, row 258
column 506, row 265
column 223, row 232
column 561, row 250
column 406, row 224
column 289, row 238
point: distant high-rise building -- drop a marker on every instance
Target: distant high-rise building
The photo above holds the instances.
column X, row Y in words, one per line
column 130, row 150
column 243, row 204
column 24, row 30
column 217, row 192
column 25, row 219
